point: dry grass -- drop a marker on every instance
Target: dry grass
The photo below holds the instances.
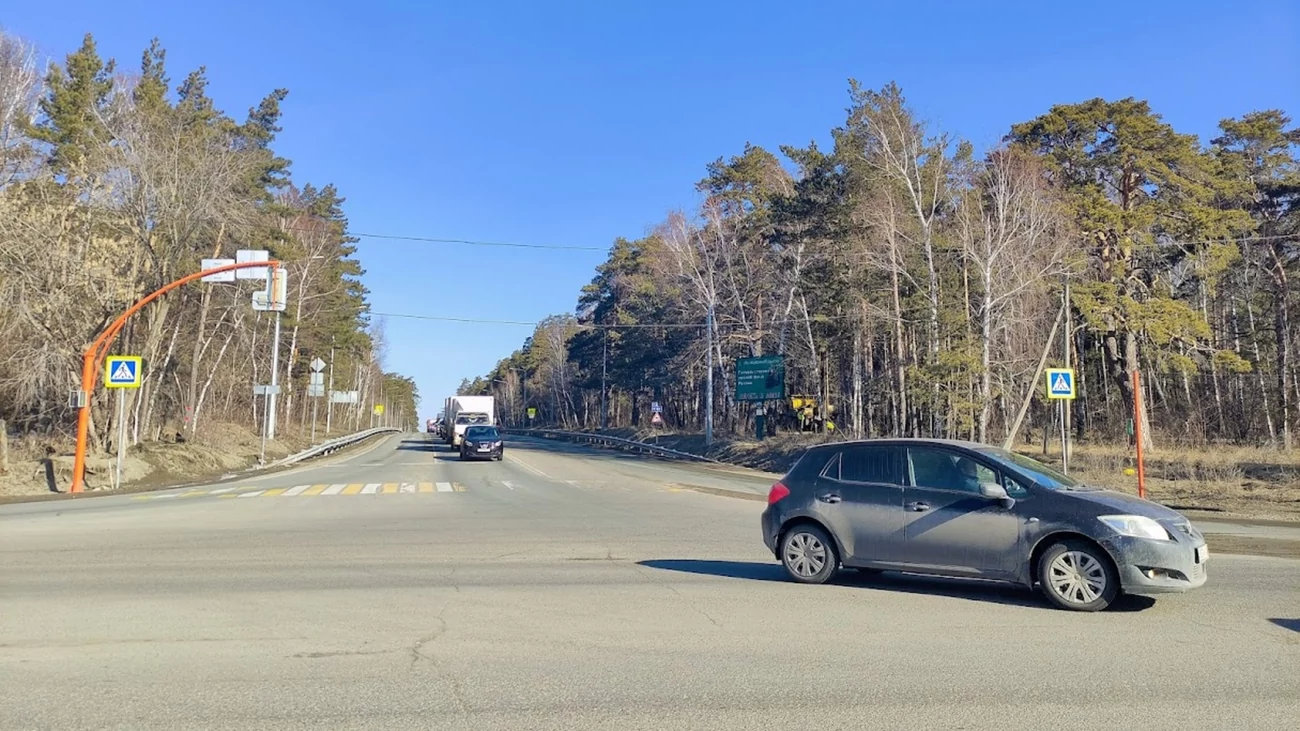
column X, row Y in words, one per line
column 1248, row 481
column 221, row 448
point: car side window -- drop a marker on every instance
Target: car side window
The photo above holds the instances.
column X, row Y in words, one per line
column 945, row 470
column 874, row 464
column 1014, row 488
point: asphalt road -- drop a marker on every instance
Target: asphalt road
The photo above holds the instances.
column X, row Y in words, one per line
column 569, row 589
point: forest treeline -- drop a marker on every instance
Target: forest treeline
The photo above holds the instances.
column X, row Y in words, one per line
column 915, row 286
column 115, row 181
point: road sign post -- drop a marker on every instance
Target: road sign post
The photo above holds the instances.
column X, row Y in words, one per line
column 1060, row 388
column 121, row 373
column 315, row 391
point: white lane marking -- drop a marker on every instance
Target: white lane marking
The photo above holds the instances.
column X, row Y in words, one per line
column 254, row 493
column 370, row 489
column 300, row 489
column 220, row 490
column 509, row 485
column 333, row 489
column 527, row 466
column 161, row 497
column 407, row 487
column 444, row 487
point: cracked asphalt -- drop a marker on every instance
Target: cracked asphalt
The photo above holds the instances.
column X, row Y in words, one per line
column 573, row 589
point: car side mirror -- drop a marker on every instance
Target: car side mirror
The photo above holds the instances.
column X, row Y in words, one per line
column 994, row 491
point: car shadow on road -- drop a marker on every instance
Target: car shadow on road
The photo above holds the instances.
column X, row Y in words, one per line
column 421, row 445
column 968, row 589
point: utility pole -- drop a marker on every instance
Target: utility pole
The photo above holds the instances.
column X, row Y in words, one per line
column 1065, row 355
column 604, row 366
column 275, row 380
column 329, row 393
column 708, row 395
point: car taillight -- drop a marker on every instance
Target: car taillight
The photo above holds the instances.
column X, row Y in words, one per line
column 777, row 492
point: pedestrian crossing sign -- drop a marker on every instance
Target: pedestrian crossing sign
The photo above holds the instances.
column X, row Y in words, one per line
column 1060, row 383
column 123, row 371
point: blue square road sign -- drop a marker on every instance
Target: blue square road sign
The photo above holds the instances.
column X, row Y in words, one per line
column 123, row 371
column 1060, row 383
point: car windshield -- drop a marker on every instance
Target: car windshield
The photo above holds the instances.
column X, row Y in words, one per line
column 1043, row 475
column 481, row 432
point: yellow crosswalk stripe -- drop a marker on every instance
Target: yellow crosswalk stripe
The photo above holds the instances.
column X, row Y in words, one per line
column 389, row 488
column 315, row 490
column 352, row 489
column 426, row 487
column 274, row 491
column 458, row 487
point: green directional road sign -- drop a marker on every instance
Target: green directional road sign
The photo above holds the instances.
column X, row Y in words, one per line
column 1060, row 383
column 760, row 379
column 123, row 371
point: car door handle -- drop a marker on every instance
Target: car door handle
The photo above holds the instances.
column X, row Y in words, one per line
column 830, row 498
column 918, row 507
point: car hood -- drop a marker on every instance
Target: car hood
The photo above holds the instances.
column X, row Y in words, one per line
column 1120, row 503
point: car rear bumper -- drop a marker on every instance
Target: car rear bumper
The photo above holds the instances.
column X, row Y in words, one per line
column 770, row 525
column 1158, row 567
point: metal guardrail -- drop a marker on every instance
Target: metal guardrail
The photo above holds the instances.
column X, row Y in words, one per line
column 332, row 445
column 611, row 442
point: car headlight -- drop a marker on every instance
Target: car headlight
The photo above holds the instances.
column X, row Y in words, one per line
column 1136, row 526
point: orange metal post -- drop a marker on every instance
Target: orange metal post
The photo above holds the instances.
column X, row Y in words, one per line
column 98, row 349
column 1137, row 433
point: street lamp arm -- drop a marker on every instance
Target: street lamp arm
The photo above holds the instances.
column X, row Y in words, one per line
column 98, row 349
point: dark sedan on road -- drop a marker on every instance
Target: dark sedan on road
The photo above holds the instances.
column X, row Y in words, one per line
column 482, row 442
column 970, row 510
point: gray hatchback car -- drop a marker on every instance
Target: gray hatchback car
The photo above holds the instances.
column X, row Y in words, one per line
column 963, row 509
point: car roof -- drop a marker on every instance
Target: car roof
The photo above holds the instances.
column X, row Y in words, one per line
column 906, row 441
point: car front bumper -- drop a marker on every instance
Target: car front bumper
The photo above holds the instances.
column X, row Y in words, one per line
column 1158, row 567
column 475, row 454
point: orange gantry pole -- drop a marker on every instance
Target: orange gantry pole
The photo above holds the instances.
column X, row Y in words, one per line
column 98, row 349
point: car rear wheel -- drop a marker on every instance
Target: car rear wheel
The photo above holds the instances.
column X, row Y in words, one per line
column 808, row 555
column 1078, row 576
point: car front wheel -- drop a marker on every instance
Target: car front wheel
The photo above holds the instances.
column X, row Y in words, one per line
column 1078, row 576
column 808, row 555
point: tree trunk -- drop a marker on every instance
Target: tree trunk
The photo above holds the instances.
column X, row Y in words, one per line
column 1282, row 328
column 901, row 426
column 986, row 355
column 1259, row 374
column 1123, row 363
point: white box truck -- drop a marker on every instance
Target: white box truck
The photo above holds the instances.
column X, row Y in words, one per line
column 465, row 411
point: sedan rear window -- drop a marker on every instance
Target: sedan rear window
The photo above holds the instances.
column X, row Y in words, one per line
column 870, row 464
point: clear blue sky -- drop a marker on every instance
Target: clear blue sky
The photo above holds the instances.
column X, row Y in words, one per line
column 576, row 122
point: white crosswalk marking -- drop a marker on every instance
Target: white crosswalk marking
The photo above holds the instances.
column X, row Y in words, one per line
column 160, row 497
column 370, row 489
column 255, row 493
column 300, row 489
column 408, row 487
column 509, row 485
column 220, row 490
column 444, row 487
column 333, row 489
